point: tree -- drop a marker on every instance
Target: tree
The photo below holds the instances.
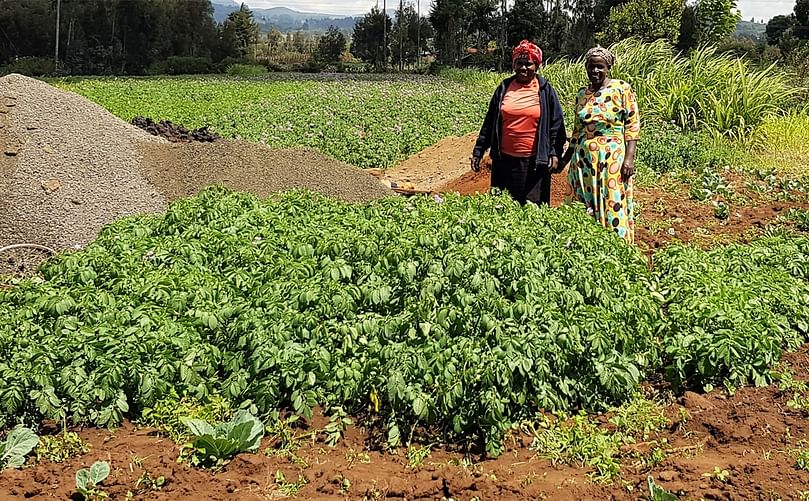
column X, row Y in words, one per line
column 526, row 21
column 715, row 19
column 801, row 11
column 449, row 19
column 583, row 26
column 367, row 40
column 481, row 21
column 405, row 34
column 688, row 28
column 644, row 19
column 331, row 45
column 777, row 26
column 240, row 31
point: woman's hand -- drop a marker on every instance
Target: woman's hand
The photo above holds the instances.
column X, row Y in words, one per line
column 627, row 170
column 475, row 163
column 553, row 164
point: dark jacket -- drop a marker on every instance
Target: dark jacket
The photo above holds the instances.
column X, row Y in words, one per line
column 550, row 133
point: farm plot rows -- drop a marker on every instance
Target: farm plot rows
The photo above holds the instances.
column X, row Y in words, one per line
column 454, row 317
column 363, row 123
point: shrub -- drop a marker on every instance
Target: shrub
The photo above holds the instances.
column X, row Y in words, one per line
column 176, row 65
column 30, row 66
column 246, row 70
column 664, row 147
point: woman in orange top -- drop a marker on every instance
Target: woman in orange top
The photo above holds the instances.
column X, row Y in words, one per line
column 525, row 130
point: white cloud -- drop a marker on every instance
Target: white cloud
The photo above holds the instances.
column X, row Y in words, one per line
column 765, row 9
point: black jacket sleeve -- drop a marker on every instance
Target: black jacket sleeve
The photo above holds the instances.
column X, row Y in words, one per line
column 486, row 133
column 556, row 116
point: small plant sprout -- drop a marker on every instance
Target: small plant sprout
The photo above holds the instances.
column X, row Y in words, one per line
column 87, row 481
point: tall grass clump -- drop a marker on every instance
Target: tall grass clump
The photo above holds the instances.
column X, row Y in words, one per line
column 780, row 143
column 717, row 93
column 703, row 90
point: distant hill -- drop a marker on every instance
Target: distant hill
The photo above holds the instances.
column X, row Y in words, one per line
column 748, row 29
column 286, row 19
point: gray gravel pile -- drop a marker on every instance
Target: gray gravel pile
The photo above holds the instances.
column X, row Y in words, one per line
column 70, row 166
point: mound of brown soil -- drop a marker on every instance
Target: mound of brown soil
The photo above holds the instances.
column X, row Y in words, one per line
column 441, row 163
column 182, row 169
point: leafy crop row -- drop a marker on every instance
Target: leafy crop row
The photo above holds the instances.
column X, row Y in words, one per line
column 461, row 315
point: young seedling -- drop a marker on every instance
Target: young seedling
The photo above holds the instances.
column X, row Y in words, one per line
column 61, row 447
column 718, row 473
column 416, row 455
column 87, row 481
column 289, row 488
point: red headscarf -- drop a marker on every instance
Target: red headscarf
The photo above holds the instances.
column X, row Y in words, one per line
column 526, row 47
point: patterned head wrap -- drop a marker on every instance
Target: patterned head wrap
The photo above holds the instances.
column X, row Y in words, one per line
column 601, row 52
column 525, row 47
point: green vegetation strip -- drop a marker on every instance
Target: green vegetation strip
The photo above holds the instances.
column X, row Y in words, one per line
column 366, row 123
column 381, row 120
column 462, row 314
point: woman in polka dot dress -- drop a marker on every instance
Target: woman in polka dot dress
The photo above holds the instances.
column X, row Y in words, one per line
column 601, row 154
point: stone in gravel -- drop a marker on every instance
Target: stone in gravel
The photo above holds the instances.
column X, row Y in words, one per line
column 51, row 185
column 691, row 400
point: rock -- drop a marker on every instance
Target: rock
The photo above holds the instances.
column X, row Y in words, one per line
column 51, row 185
column 667, row 476
column 10, row 151
column 47, row 149
column 691, row 401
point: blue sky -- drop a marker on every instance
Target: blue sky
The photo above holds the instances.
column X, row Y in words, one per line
column 760, row 9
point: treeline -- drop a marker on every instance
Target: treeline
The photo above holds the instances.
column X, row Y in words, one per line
column 170, row 36
column 118, row 36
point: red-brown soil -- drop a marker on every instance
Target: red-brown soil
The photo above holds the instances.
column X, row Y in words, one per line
column 752, row 435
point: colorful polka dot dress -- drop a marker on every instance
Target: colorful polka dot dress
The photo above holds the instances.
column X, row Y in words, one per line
column 605, row 120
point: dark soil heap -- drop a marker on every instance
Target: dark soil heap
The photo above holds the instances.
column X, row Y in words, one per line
column 174, row 133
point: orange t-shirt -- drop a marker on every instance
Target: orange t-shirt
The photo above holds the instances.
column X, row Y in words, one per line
column 520, row 114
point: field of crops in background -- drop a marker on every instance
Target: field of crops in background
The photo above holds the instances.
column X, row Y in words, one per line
column 377, row 121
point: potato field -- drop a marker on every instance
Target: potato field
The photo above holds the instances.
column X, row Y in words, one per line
column 299, row 339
